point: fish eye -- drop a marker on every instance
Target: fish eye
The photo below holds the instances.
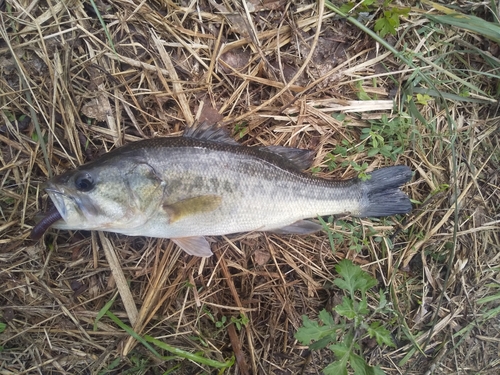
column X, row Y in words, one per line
column 84, row 182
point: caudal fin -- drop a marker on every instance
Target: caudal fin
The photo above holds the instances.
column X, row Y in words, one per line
column 382, row 196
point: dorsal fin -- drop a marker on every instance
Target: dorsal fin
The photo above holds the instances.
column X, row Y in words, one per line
column 300, row 158
column 293, row 157
column 209, row 133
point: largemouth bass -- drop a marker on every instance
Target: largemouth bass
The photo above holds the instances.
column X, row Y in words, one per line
column 206, row 184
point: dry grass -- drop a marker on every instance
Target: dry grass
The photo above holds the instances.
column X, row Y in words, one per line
column 275, row 74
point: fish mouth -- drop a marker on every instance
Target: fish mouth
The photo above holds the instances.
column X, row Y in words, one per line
column 69, row 204
column 64, row 205
column 58, row 198
column 57, row 212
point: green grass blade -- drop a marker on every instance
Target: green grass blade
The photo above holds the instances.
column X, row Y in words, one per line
column 472, row 23
column 132, row 333
column 103, row 24
column 191, row 356
column 104, row 310
column 177, row 352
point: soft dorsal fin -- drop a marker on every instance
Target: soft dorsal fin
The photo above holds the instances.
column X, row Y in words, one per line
column 300, row 158
column 209, row 133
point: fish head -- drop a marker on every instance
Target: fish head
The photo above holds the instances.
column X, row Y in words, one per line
column 115, row 195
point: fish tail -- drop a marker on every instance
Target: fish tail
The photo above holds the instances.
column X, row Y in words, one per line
column 381, row 193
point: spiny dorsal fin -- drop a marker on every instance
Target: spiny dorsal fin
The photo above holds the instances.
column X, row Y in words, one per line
column 209, row 133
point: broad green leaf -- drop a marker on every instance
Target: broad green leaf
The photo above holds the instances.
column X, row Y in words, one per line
column 360, row 366
column 353, row 278
column 322, row 343
column 363, row 307
column 346, row 7
column 383, row 27
column 336, row 368
column 311, row 330
column 346, row 308
column 326, row 318
column 341, row 351
column 382, row 301
column 381, row 334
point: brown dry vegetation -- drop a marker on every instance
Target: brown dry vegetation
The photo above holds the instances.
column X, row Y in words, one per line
column 274, row 73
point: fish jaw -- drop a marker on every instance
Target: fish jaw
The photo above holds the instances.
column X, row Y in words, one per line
column 79, row 213
column 75, row 214
column 58, row 199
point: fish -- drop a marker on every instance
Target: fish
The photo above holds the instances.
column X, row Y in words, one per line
column 204, row 183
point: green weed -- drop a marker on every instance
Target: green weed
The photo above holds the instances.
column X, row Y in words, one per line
column 387, row 137
column 387, row 22
column 223, row 322
column 423, row 99
column 354, row 233
column 361, row 93
column 240, row 128
column 344, row 338
column 241, row 321
column 111, row 367
column 238, row 322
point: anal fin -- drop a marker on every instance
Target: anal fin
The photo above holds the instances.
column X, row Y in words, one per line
column 299, row 227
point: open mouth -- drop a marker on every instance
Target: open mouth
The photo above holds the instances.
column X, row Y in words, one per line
column 69, row 210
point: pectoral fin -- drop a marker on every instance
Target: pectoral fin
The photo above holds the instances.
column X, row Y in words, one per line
column 197, row 246
column 191, row 206
column 299, row 227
